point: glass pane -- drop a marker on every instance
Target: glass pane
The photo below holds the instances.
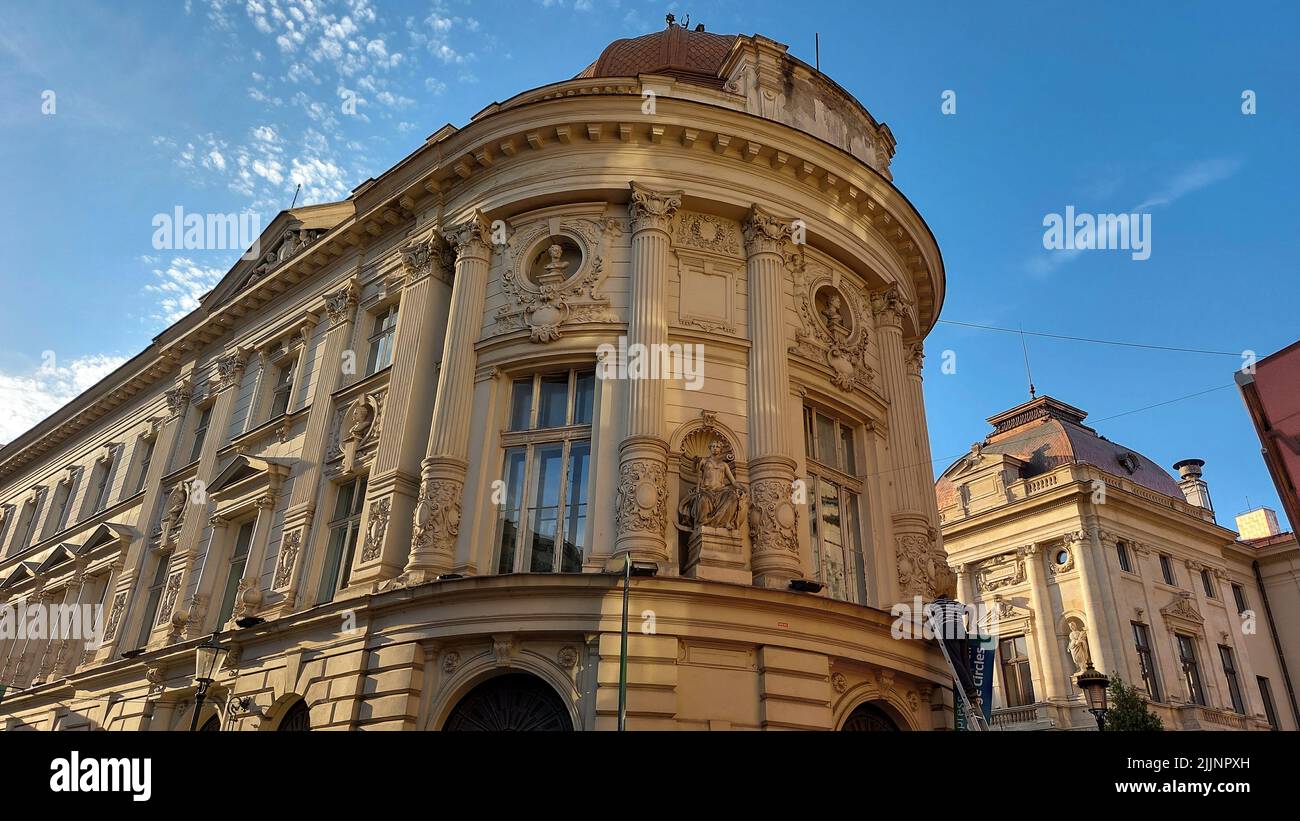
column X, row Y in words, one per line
column 345, row 572
column 808, row 448
column 508, row 527
column 575, row 507
column 242, row 540
column 343, row 504
column 850, row 465
column 827, row 439
column 828, row 507
column 584, row 394
column 852, row 529
column 236, row 572
column 553, row 404
column 544, row 507
column 814, row 538
column 329, row 580
column 521, row 402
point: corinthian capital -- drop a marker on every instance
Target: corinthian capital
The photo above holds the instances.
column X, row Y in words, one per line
column 765, row 232
column 915, row 358
column 230, row 367
column 652, row 209
column 889, row 307
column 472, row 238
column 339, row 305
column 179, row 396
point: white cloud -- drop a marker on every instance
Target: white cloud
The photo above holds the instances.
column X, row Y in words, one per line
column 27, row 398
column 179, row 286
column 1196, row 176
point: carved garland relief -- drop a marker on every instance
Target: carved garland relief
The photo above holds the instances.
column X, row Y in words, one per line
column 642, row 496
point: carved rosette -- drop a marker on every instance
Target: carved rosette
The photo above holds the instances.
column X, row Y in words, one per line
column 922, row 568
column 642, row 496
column 765, row 233
column 772, row 517
column 436, row 522
column 472, row 238
column 375, row 530
column 651, row 209
column 284, row 564
column 340, row 304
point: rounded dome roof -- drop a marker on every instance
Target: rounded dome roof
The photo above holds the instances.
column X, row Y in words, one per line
column 692, row 55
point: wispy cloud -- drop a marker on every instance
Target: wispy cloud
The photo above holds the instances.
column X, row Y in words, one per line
column 178, row 286
column 27, row 398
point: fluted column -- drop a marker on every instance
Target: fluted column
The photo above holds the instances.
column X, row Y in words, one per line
column 922, row 566
column 435, row 524
column 414, row 387
column 641, row 514
column 1055, row 686
column 773, row 518
column 341, row 310
column 1095, row 619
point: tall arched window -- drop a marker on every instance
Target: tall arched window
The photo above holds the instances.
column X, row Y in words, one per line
column 513, row 702
column 869, row 718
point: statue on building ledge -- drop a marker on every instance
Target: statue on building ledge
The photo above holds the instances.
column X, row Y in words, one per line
column 713, row 511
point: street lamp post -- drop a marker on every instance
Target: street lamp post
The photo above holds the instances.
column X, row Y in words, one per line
column 1094, row 685
column 630, row 569
column 207, row 660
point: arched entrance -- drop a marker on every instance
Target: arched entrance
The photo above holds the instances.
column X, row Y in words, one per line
column 296, row 719
column 513, row 702
column 869, row 718
column 211, row 725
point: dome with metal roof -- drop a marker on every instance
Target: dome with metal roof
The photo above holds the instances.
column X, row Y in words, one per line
column 691, row 55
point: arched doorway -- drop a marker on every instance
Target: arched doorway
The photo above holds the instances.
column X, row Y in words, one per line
column 514, row 702
column 296, row 719
column 213, row 724
column 869, row 718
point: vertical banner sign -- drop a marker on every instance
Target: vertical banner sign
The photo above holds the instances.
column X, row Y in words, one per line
column 982, row 652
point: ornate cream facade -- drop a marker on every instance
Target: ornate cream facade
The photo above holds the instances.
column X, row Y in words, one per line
column 1085, row 551
column 397, row 446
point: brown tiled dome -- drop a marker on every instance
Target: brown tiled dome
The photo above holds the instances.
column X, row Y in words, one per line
column 694, row 56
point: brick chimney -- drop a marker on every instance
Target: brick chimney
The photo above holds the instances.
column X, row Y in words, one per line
column 1193, row 486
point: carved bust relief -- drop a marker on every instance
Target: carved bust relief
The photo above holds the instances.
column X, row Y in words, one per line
column 832, row 316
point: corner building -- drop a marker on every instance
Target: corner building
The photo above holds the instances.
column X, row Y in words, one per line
column 391, row 438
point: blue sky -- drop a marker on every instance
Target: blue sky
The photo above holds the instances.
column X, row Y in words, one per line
column 224, row 106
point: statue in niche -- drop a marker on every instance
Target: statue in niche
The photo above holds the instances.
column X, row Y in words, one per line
column 834, row 317
column 1079, row 646
column 555, row 270
column 716, row 500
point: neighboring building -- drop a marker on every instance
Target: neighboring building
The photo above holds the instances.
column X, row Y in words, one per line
column 1271, row 390
column 1086, row 550
column 1259, row 523
column 392, row 437
column 1275, row 558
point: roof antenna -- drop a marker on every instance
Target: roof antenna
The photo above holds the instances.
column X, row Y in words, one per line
column 295, row 196
column 817, row 49
column 1028, row 373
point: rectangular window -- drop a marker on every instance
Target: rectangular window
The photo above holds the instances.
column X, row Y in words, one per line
column 1240, row 596
column 1121, row 550
column 345, row 527
column 1191, row 669
column 834, row 516
column 104, row 484
column 1167, row 570
column 1266, row 695
column 153, row 598
column 234, row 572
column 381, row 340
column 1017, row 682
column 543, row 522
column 146, row 458
column 1230, row 673
column 29, row 524
column 200, row 433
column 1146, row 660
column 280, row 394
column 1207, row 582
column 62, row 507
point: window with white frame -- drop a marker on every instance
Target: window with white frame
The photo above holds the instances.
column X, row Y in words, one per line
column 62, row 505
column 102, row 482
column 834, row 506
column 144, row 449
column 344, row 528
column 380, row 342
column 547, row 467
column 27, row 524
column 282, row 389
column 235, row 566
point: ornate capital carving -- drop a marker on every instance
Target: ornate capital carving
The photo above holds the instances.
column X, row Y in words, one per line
column 178, row 397
column 772, row 517
column 765, row 233
column 436, row 522
column 915, row 353
column 340, row 304
column 889, row 307
column 652, row 209
column 230, row 368
column 426, row 256
column 472, row 238
column 642, row 496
